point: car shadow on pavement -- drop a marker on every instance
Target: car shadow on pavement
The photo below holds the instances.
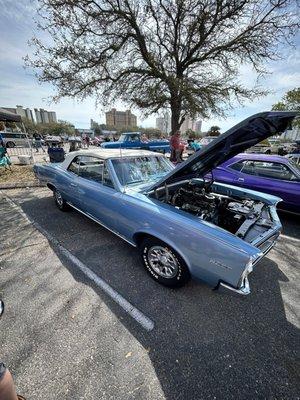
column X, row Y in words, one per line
column 291, row 224
column 205, row 344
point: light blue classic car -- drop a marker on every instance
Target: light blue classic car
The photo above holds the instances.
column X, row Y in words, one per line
column 184, row 225
column 134, row 140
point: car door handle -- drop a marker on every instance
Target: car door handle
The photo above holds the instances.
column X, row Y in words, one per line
column 240, row 179
column 73, row 184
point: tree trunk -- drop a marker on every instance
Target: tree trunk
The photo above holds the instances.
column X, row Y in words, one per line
column 175, row 113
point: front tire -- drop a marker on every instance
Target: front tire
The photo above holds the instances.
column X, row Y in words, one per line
column 163, row 263
column 59, row 201
column 10, row 145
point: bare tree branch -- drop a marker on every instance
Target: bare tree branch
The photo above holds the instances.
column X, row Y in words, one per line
column 182, row 54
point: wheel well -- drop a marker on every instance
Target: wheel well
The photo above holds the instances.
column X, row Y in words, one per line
column 51, row 187
column 140, row 236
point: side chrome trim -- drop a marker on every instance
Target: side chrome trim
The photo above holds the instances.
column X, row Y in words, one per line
column 100, row 223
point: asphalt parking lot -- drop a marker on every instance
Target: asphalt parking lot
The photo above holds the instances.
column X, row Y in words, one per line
column 65, row 338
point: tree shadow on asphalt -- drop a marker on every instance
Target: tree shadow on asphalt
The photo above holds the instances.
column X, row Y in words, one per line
column 205, row 344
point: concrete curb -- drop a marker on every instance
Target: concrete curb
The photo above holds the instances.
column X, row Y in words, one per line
column 20, row 185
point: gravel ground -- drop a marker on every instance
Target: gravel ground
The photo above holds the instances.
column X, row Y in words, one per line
column 17, row 174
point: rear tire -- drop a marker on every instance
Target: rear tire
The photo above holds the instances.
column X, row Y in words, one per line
column 10, row 145
column 163, row 263
column 61, row 204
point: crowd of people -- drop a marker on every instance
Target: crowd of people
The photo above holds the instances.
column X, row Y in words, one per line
column 56, row 151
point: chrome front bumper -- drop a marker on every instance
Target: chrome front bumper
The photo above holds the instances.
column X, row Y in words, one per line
column 244, row 287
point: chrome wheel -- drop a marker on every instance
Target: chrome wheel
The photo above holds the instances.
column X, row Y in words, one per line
column 58, row 198
column 163, row 261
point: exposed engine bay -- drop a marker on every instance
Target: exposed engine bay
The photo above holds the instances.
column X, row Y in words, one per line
column 231, row 213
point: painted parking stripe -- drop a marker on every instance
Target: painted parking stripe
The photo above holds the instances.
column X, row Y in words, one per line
column 136, row 314
column 293, row 239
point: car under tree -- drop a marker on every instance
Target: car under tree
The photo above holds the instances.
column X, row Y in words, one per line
column 184, row 225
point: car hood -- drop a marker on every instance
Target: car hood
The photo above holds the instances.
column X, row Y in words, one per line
column 236, row 140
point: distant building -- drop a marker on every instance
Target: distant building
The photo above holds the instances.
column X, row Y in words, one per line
column 44, row 117
column 120, row 119
column 188, row 123
column 198, row 126
column 292, row 134
column 163, row 123
column 41, row 116
column 93, row 124
column 23, row 112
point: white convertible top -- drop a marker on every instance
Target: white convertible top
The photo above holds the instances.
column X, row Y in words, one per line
column 107, row 153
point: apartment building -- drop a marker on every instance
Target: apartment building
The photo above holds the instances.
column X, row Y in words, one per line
column 120, row 119
column 163, row 123
column 23, row 112
column 44, row 117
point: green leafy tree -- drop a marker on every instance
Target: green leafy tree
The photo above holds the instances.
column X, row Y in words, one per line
column 151, row 133
column 289, row 102
column 56, row 128
column 214, row 131
column 155, row 54
column 30, row 126
column 190, row 134
column 97, row 131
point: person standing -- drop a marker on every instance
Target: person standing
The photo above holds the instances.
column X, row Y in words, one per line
column 2, row 129
column 38, row 142
column 177, row 148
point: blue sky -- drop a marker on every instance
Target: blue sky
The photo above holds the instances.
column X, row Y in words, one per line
column 19, row 86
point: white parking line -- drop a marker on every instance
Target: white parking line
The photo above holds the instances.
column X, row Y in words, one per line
column 136, row 314
column 289, row 238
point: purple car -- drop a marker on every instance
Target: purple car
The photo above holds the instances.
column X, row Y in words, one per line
column 274, row 175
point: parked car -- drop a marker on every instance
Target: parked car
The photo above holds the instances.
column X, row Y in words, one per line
column 260, row 149
column 14, row 139
column 207, row 140
column 50, row 139
column 183, row 224
column 133, row 140
column 295, row 157
column 270, row 174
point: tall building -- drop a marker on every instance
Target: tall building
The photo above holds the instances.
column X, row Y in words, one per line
column 292, row 134
column 23, row 112
column 120, row 119
column 41, row 116
column 38, row 116
column 52, row 116
column 44, row 117
column 188, row 123
column 198, row 126
column 163, row 123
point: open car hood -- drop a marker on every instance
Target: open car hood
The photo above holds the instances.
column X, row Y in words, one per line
column 236, row 140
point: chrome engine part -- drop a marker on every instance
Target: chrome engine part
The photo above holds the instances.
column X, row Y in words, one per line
column 236, row 216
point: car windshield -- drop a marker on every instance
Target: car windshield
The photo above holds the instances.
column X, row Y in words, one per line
column 295, row 165
column 129, row 138
column 137, row 170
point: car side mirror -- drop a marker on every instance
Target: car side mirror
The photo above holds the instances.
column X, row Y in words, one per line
column 1, row 308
